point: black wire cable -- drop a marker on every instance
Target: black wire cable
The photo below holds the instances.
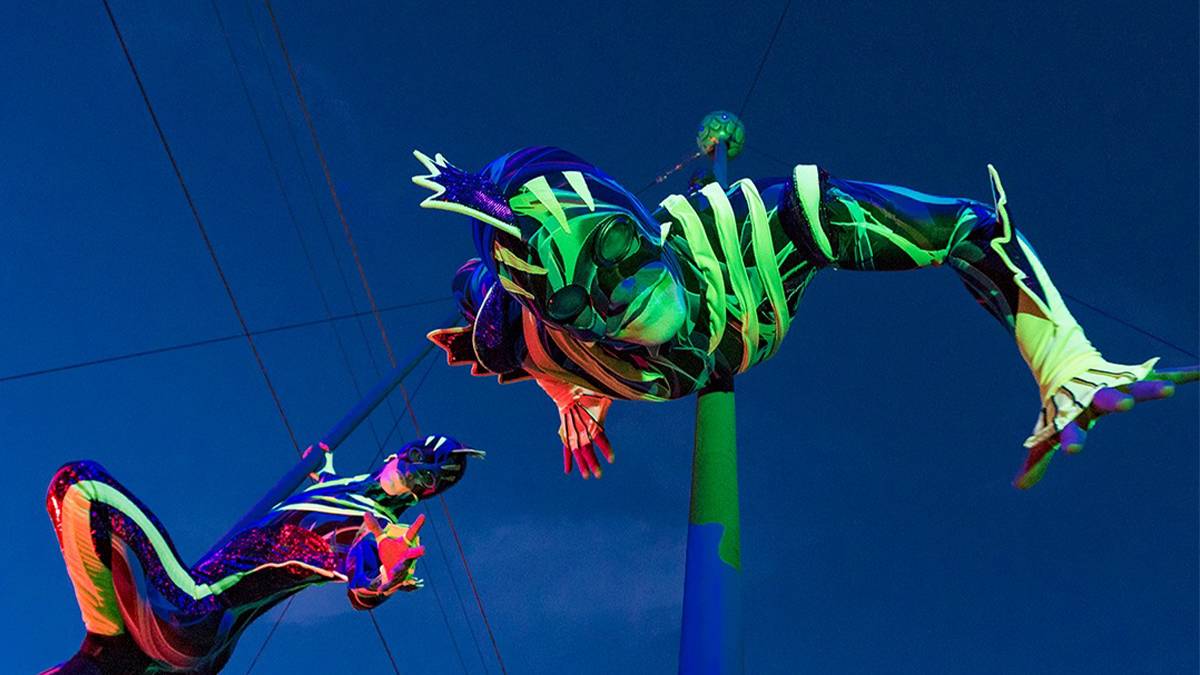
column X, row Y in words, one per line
column 325, row 228
column 763, row 61
column 312, row 270
column 162, row 137
column 320, row 154
column 288, row 605
column 208, row 341
column 1128, row 324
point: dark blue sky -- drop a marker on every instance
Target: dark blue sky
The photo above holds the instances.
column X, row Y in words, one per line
column 880, row 533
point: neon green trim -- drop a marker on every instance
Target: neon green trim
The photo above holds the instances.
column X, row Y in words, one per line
column 727, row 235
column 180, row 577
column 714, row 472
column 808, row 190
column 434, row 201
column 579, row 184
column 999, row 242
column 336, row 481
column 320, row 508
column 765, row 262
column 706, row 260
column 541, row 189
column 512, row 287
column 509, row 258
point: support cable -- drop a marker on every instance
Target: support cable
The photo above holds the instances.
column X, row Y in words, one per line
column 162, row 137
column 362, row 332
column 371, row 299
column 207, row 341
column 312, row 270
column 766, row 54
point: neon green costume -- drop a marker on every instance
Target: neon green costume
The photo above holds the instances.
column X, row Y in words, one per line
column 580, row 287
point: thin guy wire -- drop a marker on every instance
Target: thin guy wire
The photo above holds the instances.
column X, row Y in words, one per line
column 361, row 329
column 371, row 299
column 207, row 341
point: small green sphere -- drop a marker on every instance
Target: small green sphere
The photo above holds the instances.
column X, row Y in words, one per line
column 719, row 126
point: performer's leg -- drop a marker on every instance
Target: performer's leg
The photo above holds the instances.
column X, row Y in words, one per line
column 128, row 578
column 867, row 226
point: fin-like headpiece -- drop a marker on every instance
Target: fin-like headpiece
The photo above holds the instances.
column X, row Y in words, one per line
column 470, row 194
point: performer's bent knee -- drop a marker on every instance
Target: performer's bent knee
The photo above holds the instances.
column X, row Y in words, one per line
column 70, row 474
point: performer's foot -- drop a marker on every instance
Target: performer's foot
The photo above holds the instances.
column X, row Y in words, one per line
column 1157, row 384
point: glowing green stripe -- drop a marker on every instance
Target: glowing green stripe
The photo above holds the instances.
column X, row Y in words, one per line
column 540, row 187
column 861, row 220
column 336, row 481
column 320, row 508
column 727, row 235
column 377, row 508
column 706, row 261
column 765, row 262
column 180, row 577
column 808, row 190
column 579, row 185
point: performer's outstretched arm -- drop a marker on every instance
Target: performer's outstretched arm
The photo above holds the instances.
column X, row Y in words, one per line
column 870, row 226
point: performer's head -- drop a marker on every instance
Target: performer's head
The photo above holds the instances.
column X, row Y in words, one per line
column 426, row 467
column 567, row 241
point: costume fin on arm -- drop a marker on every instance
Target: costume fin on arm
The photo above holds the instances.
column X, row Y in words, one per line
column 871, row 226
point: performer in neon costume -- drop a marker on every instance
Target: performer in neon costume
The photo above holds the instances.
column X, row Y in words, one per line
column 582, row 288
column 145, row 611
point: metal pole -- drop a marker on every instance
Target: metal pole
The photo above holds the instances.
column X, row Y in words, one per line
column 315, row 459
column 711, row 631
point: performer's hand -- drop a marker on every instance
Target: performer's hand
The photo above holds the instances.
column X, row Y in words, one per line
column 399, row 548
column 581, row 428
column 581, row 415
column 1159, row 384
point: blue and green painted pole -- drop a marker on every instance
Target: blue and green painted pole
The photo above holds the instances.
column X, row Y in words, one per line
column 711, row 632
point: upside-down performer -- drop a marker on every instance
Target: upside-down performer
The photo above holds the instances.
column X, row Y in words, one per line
column 582, row 288
column 145, row 611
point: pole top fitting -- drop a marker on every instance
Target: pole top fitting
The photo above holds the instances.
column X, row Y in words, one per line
column 721, row 126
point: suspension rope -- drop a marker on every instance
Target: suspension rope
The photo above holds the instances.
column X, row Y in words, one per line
column 209, row 341
column 316, row 201
column 670, row 171
column 288, row 605
column 162, row 137
column 312, row 270
column 371, row 299
column 1131, row 325
column 363, row 334
column 763, row 61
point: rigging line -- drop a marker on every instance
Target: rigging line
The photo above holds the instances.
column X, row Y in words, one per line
column 316, row 203
column 783, row 163
column 208, row 341
column 1094, row 308
column 763, row 61
column 312, row 270
column 337, row 202
column 288, row 604
column 371, row 299
column 678, row 166
column 309, row 185
column 162, row 137
column 278, row 617
column 379, row 632
column 291, row 213
column 431, row 523
column 1127, row 324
